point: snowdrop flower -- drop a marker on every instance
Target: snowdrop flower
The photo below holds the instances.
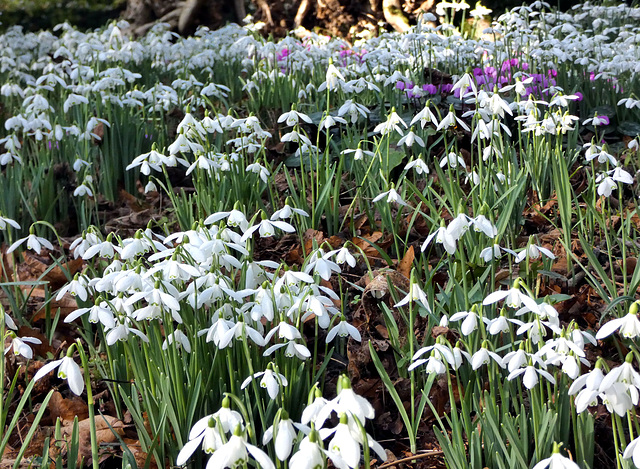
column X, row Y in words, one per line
column 418, row 165
column 218, row 329
column 4, row 222
column 492, row 252
column 354, row 110
column 99, row 312
column 469, row 323
column 83, row 190
column 616, row 398
column 8, row 321
column 629, row 103
column 343, row 442
column 191, row 127
column 76, row 287
column 20, row 347
column 391, row 196
column 293, row 117
column 439, row 354
column 292, row 349
column 343, row 329
column 359, row 153
column 620, row 175
column 360, row 84
column 229, row 419
column 561, row 347
column 295, row 136
column 311, row 411
column 459, row 225
column 627, row 326
column 533, row 251
column 588, row 387
column 147, row 162
column 320, row 263
column 409, row 139
column 518, row 358
column 287, row 212
column 309, row 455
column 579, row 336
column 121, row 332
column 607, row 185
column 271, row 381
column 415, row 294
column 158, row 301
column 513, row 297
column 556, row 461
column 391, row 124
column 346, row 402
column 562, row 100
column 633, row 451
column 451, row 120
column 183, row 145
column 608, row 180
column 424, row 117
column 206, row 435
column 267, row 228
column 73, row 100
column 535, row 328
column 530, row 378
column 342, row 256
column 496, row 105
column 355, row 431
column 34, row 243
column 499, row 325
column 596, row 121
column 482, row 224
column 329, row 121
column 259, row 170
column 464, row 84
column 452, row 160
column 594, row 151
column 235, row 218
column 67, row 369
column 444, row 237
column 483, row 356
column 284, row 331
column 179, row 338
column 624, row 374
column 105, row 249
column 285, row 436
column 334, row 80
column 519, row 86
column 236, row 451
column 241, row 330
column 150, row 187
column 214, row 89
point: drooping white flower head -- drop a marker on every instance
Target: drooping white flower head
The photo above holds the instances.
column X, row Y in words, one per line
column 67, row 369
column 270, row 380
column 627, row 326
column 556, row 461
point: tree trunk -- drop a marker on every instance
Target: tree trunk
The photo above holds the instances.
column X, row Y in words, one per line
column 343, row 18
column 183, row 16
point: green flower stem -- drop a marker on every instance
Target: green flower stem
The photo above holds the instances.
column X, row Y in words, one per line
column 90, row 404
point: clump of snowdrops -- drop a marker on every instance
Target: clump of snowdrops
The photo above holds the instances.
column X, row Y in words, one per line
column 220, row 350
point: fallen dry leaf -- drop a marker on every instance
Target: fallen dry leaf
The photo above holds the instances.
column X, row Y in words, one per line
column 67, row 304
column 104, row 434
column 139, row 455
column 67, row 409
column 404, row 267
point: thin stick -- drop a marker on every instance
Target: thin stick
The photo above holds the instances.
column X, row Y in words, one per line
column 410, row 458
